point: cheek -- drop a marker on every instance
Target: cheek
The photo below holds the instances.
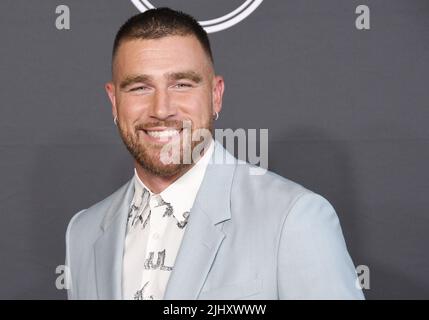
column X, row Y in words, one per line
column 197, row 107
column 131, row 108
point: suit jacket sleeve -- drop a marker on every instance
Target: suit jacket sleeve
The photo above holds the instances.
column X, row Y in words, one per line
column 313, row 261
column 69, row 241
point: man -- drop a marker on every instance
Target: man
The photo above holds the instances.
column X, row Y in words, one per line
column 200, row 229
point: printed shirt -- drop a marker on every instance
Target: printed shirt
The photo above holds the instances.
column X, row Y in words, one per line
column 156, row 225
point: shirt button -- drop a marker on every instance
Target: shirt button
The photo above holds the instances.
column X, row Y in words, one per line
column 155, row 236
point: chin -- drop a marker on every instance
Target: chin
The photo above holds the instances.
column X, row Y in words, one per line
column 162, row 170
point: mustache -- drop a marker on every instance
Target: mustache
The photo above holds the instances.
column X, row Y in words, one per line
column 176, row 124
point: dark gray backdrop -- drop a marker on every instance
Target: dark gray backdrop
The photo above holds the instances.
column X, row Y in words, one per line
column 347, row 114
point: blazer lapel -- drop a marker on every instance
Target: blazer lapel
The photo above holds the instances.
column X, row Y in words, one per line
column 203, row 235
column 109, row 247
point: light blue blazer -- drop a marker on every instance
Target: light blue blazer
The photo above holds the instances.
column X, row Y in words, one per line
column 248, row 237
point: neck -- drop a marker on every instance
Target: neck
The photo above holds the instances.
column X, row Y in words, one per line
column 157, row 183
column 154, row 182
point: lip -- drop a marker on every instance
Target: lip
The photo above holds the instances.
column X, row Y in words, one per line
column 163, row 139
column 162, row 129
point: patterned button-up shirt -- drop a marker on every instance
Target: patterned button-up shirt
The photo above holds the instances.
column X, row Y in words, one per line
column 156, row 225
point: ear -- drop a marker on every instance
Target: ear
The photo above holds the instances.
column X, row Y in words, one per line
column 110, row 89
column 218, row 88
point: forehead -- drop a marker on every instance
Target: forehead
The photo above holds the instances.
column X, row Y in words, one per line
column 160, row 56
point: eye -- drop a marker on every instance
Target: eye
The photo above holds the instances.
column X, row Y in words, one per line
column 182, row 85
column 140, row 88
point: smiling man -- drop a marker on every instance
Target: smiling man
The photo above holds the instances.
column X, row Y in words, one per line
column 199, row 229
column 157, row 84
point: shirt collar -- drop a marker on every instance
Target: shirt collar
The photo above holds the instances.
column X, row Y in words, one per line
column 181, row 193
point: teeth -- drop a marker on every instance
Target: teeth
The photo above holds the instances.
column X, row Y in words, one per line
column 163, row 134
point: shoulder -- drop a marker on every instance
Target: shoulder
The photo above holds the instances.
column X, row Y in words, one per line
column 268, row 190
column 274, row 198
column 87, row 222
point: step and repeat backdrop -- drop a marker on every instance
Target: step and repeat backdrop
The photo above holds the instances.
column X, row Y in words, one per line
column 340, row 86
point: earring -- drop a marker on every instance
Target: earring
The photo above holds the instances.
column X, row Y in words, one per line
column 217, row 116
column 115, row 120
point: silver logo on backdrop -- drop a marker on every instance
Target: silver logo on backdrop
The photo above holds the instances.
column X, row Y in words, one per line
column 216, row 24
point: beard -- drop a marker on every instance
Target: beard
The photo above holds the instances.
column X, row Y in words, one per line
column 149, row 154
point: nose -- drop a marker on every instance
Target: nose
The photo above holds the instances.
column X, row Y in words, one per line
column 162, row 108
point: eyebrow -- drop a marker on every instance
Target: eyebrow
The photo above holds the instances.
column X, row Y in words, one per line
column 134, row 79
column 190, row 75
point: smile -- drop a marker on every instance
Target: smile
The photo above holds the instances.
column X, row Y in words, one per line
column 163, row 134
